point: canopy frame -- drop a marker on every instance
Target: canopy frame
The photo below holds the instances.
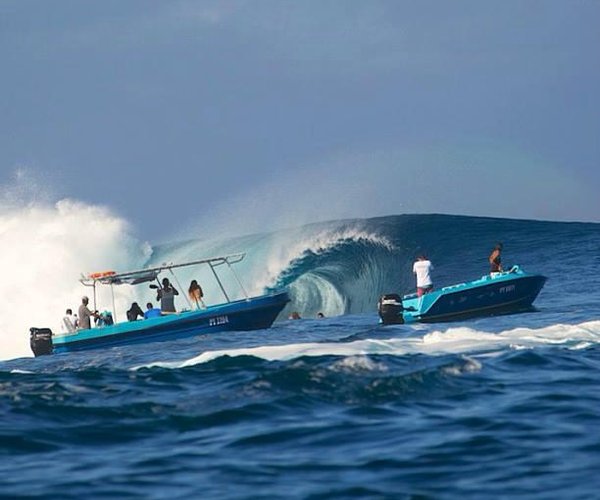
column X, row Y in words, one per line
column 150, row 274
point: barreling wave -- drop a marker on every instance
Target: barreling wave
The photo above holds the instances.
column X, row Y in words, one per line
column 338, row 275
column 335, row 268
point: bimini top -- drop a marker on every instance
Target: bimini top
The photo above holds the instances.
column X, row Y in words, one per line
column 151, row 274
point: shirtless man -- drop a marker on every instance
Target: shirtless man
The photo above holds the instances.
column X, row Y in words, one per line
column 495, row 259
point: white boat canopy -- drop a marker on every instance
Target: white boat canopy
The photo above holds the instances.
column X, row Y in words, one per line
column 151, row 274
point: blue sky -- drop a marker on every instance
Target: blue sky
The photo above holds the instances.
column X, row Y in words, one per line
column 187, row 117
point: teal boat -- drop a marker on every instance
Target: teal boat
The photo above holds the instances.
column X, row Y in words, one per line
column 249, row 313
column 496, row 293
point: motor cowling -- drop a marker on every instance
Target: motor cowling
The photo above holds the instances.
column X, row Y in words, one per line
column 40, row 340
column 390, row 309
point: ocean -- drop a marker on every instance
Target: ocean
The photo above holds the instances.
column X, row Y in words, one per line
column 339, row 407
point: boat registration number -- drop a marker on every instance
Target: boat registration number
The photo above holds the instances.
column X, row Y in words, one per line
column 507, row 289
column 218, row 320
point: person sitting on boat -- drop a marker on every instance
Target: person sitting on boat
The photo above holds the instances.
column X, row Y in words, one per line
column 166, row 295
column 69, row 322
column 135, row 312
column 422, row 269
column 85, row 314
column 151, row 311
column 195, row 293
column 495, row 259
column 105, row 319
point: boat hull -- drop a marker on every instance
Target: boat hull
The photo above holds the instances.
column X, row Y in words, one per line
column 250, row 314
column 503, row 294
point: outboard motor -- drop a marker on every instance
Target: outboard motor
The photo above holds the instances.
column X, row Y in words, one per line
column 40, row 341
column 390, row 309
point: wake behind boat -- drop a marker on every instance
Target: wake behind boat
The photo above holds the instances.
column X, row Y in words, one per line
column 251, row 313
column 495, row 293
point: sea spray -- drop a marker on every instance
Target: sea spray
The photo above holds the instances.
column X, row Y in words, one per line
column 45, row 248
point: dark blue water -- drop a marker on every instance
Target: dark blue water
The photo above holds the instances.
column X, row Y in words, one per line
column 342, row 407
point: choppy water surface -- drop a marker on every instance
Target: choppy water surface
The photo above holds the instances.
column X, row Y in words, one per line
column 341, row 407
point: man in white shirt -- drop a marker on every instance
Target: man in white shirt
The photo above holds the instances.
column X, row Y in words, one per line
column 69, row 322
column 422, row 268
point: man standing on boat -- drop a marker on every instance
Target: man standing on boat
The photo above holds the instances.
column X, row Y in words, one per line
column 422, row 268
column 166, row 296
column 85, row 314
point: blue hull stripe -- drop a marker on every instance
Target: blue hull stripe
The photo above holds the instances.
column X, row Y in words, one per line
column 251, row 314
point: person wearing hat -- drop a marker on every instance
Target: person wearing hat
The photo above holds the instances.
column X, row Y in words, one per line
column 495, row 259
column 85, row 314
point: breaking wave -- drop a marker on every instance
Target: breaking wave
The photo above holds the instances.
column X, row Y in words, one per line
column 336, row 267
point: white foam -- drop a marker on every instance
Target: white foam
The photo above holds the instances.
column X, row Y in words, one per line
column 45, row 248
column 457, row 340
column 469, row 365
column 358, row 364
